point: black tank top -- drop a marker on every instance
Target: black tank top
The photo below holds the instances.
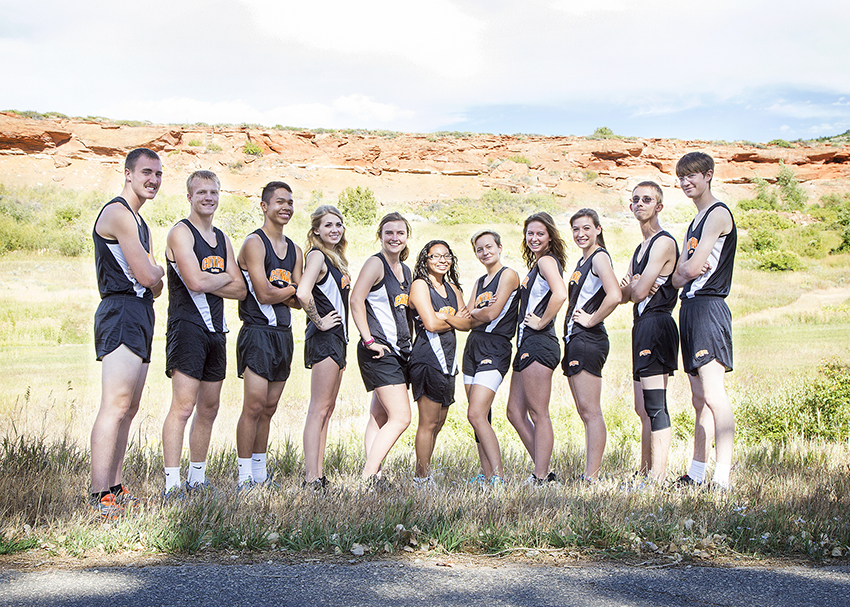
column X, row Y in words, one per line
column 204, row 309
column 535, row 294
column 113, row 271
column 437, row 350
column 331, row 293
column 718, row 280
column 278, row 272
column 585, row 293
column 505, row 323
column 664, row 299
column 386, row 310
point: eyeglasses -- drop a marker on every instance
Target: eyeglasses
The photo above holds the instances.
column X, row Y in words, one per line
column 691, row 178
column 435, row 257
column 645, row 199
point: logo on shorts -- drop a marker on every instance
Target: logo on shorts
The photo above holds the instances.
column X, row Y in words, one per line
column 574, row 363
column 524, row 356
column 447, row 310
column 212, row 264
column 575, row 277
column 280, row 274
column 692, row 245
column 489, row 361
column 645, row 352
column 484, row 299
column 701, row 353
column 345, row 282
column 400, row 300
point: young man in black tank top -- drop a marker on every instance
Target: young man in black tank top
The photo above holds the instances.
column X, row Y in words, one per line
column 705, row 273
column 202, row 271
column 122, row 343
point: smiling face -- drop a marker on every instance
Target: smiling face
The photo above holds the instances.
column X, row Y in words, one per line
column 585, row 232
column 145, row 178
column 487, row 251
column 537, row 238
column 694, row 185
column 393, row 237
column 330, row 230
column 279, row 209
column 439, row 260
column 204, row 197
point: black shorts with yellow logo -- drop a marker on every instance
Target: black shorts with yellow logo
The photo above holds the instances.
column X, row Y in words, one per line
column 586, row 351
column 266, row 350
column 705, row 323
column 486, row 352
column 655, row 345
column 538, row 347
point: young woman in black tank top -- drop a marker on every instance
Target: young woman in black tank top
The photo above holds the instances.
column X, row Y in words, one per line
column 389, row 412
column 325, row 264
column 435, row 284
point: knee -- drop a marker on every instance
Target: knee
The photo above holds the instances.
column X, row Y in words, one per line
column 655, row 403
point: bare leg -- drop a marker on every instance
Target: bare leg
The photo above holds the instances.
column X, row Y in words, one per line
column 645, row 431
column 206, row 411
column 703, row 422
column 123, row 378
column 587, row 392
column 259, row 405
column 431, row 419
column 184, row 394
column 324, row 387
column 537, row 384
column 711, row 378
column 377, row 419
column 517, row 412
column 480, row 401
column 396, row 405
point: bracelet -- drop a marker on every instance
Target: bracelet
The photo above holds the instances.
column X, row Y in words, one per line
column 366, row 344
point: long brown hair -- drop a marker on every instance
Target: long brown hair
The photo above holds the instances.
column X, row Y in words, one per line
column 594, row 217
column 420, row 270
column 557, row 248
column 395, row 216
column 336, row 254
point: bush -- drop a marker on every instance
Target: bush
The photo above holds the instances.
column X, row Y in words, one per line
column 765, row 198
column 603, row 132
column 793, row 196
column 358, row 205
column 779, row 261
column 194, row 143
column 252, row 149
column 519, row 159
column 780, row 143
column 213, row 147
column 754, row 219
column 762, row 239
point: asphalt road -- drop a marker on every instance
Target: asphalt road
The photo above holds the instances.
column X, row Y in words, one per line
column 403, row 583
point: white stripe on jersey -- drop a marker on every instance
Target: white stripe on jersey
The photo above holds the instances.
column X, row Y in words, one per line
column 379, row 300
column 538, row 291
column 591, row 285
column 493, row 323
column 118, row 254
column 437, row 348
column 200, row 301
column 714, row 261
column 331, row 290
column 641, row 306
column 266, row 309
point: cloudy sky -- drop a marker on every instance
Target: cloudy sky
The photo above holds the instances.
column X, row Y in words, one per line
column 728, row 69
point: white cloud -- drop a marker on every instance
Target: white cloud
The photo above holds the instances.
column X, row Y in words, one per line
column 805, row 110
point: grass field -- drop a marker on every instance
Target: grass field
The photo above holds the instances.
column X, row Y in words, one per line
column 790, row 496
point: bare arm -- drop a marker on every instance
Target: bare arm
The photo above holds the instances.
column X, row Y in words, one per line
column 507, row 285
column 118, row 223
column 549, row 270
column 180, row 247
column 662, row 259
column 420, row 300
column 313, row 272
column 626, row 285
column 370, row 274
column 297, row 271
column 461, row 320
column 236, row 289
column 252, row 258
column 717, row 224
column 603, row 269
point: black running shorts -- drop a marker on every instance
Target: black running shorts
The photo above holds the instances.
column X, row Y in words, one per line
column 324, row 344
column 486, row 352
column 388, row 370
column 194, row 351
column 124, row 320
column 706, row 326
column 537, row 347
column 655, row 346
column 586, row 351
column 266, row 350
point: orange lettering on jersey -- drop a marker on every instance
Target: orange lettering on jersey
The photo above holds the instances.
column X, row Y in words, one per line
column 345, row 282
column 212, row 264
column 488, row 361
column 400, row 300
column 485, row 299
column 280, row 274
column 692, row 245
column 701, row 353
column 645, row 352
column 575, row 277
column 447, row 310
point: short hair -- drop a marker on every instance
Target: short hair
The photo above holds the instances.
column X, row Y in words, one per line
column 694, row 162
column 133, row 157
column 659, row 194
column 478, row 235
column 388, row 218
column 556, row 244
column 270, row 188
column 594, row 217
column 207, row 175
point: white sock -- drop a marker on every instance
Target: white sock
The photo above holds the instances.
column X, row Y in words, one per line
column 721, row 474
column 258, row 467
column 197, row 473
column 244, row 464
column 697, row 471
column 172, row 478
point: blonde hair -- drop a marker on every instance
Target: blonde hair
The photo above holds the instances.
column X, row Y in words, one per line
column 335, row 254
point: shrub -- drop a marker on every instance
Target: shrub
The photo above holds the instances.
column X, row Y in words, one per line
column 763, row 239
column 519, row 159
column 749, row 220
column 252, row 149
column 603, row 132
column 780, row 143
column 194, row 143
column 765, row 198
column 779, row 261
column 358, row 205
column 589, row 176
column 793, row 196
column 213, row 147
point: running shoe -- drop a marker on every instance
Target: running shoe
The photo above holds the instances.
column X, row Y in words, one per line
column 479, row 480
column 686, row 482
column 124, row 498
column 107, row 507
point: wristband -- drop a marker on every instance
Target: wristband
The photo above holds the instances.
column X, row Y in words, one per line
column 366, row 344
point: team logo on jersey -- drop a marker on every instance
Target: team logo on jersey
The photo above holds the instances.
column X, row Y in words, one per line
column 447, row 310
column 575, row 277
column 400, row 300
column 485, row 299
column 692, row 245
column 280, row 274
column 345, row 282
column 635, row 277
column 701, row 353
column 489, row 361
column 645, row 353
column 212, row 264
column 524, row 356
column 524, row 284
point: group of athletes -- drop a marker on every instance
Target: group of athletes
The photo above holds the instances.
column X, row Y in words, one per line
column 406, row 321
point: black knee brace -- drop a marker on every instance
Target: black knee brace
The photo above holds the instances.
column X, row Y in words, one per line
column 655, row 403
